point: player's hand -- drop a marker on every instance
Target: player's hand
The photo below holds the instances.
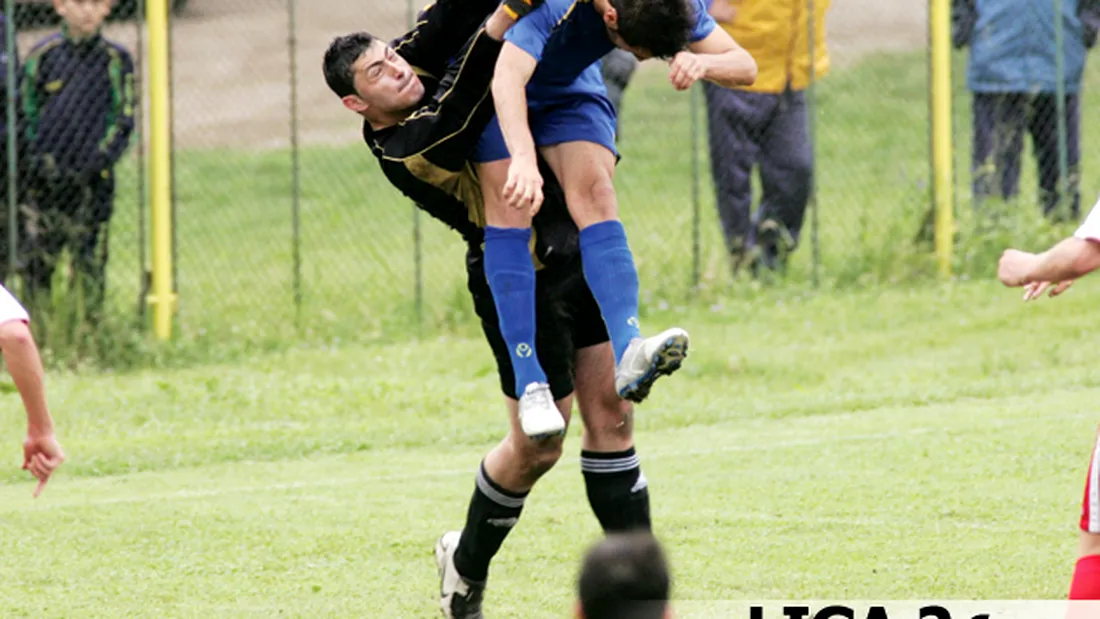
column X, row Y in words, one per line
column 685, row 69
column 1015, row 266
column 524, row 187
column 42, row 454
column 1035, row 290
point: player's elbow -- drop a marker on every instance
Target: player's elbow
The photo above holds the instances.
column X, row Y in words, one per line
column 514, row 68
column 507, row 80
column 742, row 70
column 735, row 70
column 748, row 70
column 1088, row 259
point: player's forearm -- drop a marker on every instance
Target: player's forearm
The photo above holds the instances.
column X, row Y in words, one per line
column 25, row 366
column 509, row 89
column 1073, row 258
column 730, row 69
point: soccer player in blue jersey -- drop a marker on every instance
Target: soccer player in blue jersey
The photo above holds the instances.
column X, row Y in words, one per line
column 549, row 95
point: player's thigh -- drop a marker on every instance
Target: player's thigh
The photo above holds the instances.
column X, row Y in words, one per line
column 578, row 142
column 491, row 159
column 493, row 175
column 586, row 172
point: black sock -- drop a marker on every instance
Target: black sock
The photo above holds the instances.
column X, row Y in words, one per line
column 617, row 490
column 492, row 514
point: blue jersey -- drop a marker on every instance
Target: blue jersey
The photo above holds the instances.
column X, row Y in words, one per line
column 571, row 37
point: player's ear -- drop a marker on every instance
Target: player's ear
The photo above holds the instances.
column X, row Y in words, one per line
column 579, row 610
column 355, row 103
column 611, row 18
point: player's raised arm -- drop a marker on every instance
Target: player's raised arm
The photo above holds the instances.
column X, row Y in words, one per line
column 441, row 31
column 722, row 60
column 452, row 122
column 712, row 55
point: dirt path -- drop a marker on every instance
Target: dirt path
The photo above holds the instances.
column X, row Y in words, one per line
column 231, row 61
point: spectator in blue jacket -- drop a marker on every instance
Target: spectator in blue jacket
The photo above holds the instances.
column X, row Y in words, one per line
column 1012, row 74
column 78, row 97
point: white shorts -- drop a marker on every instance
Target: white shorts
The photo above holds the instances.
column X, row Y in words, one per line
column 10, row 308
column 1090, row 230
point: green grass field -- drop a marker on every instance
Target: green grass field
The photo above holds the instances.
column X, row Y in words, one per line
column 927, row 443
column 881, row 437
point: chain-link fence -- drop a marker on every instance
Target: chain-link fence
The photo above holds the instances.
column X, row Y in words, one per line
column 73, row 197
column 285, row 228
column 1021, row 112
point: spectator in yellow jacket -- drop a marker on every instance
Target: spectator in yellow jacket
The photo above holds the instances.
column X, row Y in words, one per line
column 766, row 125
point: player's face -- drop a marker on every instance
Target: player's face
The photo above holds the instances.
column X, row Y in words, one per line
column 385, row 82
column 83, row 17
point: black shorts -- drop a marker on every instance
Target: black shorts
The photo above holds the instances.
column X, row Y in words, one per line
column 567, row 318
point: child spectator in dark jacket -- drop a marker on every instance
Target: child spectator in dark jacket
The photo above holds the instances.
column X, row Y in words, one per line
column 78, row 98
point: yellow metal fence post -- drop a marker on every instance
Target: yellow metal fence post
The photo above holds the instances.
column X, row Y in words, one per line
column 942, row 159
column 163, row 299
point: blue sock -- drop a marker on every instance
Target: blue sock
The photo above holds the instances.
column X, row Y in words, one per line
column 511, row 276
column 613, row 278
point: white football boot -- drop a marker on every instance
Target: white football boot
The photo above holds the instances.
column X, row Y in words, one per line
column 459, row 598
column 648, row 359
column 538, row 415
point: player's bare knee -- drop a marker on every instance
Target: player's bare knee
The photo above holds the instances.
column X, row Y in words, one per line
column 602, row 202
column 610, row 426
column 538, row 457
column 547, row 455
column 15, row 333
column 593, row 199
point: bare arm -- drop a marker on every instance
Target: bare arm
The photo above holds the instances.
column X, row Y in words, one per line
column 523, row 189
column 42, row 454
column 724, row 61
column 514, row 69
column 25, row 365
column 1070, row 259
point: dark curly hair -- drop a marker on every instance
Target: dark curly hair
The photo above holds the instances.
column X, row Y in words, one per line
column 659, row 27
column 339, row 58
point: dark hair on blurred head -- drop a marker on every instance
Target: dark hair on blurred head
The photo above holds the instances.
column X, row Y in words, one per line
column 339, row 58
column 625, row 576
column 659, row 27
